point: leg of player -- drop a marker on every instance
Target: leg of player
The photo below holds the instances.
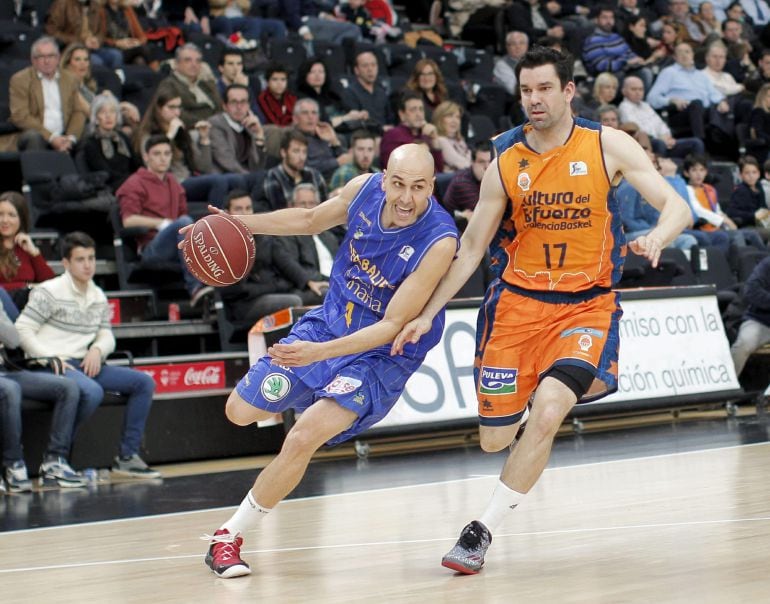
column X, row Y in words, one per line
column 526, row 462
column 321, row 422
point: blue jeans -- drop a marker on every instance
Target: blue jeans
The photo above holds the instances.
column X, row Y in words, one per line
column 42, row 386
column 107, row 57
column 164, row 247
column 720, row 239
column 8, row 305
column 137, row 386
column 212, row 188
column 252, row 28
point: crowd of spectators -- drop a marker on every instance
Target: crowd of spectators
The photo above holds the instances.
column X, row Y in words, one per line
column 264, row 104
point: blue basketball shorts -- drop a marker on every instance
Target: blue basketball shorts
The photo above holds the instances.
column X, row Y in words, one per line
column 368, row 383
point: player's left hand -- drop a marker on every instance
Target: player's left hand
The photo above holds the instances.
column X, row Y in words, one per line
column 295, row 354
column 648, row 246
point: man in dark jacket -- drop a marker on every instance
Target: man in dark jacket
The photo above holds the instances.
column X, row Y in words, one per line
column 306, row 260
column 755, row 329
column 263, row 291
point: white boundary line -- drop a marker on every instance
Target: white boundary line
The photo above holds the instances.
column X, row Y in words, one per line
column 626, row 527
column 377, row 490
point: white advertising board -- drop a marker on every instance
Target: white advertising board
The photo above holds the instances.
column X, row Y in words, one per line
column 669, row 347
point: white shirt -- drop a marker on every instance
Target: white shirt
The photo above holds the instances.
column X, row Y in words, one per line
column 325, row 259
column 723, row 81
column 644, row 116
column 53, row 118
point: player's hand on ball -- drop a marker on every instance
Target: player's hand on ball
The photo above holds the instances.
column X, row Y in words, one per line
column 647, row 246
column 410, row 334
column 184, row 229
column 295, row 354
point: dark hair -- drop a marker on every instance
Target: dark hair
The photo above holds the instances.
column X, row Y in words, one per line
column 360, row 135
column 480, row 147
column 234, row 194
column 538, row 56
column 275, row 68
column 236, row 87
column 328, row 95
column 154, row 140
column 228, row 52
column 694, row 159
column 73, row 240
column 9, row 264
column 406, row 96
column 364, row 52
column 602, row 8
column 150, row 125
column 747, row 160
column 292, row 134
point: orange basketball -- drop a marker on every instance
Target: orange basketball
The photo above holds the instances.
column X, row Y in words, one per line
column 219, row 250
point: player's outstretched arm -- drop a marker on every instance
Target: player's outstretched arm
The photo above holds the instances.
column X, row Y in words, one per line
column 474, row 243
column 409, row 298
column 624, row 156
column 301, row 221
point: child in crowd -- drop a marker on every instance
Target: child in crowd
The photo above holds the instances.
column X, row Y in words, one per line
column 748, row 203
column 704, row 203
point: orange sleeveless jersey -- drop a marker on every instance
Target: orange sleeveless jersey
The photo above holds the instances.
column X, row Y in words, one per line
column 566, row 234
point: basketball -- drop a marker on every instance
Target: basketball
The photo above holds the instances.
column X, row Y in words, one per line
column 219, row 250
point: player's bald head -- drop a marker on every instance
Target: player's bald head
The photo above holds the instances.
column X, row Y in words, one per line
column 413, row 158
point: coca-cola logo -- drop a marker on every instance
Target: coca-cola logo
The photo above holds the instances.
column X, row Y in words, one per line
column 182, row 377
column 202, row 377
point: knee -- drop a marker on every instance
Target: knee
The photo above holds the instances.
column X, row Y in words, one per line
column 10, row 394
column 242, row 413
column 545, row 422
column 494, row 442
column 299, row 442
column 92, row 395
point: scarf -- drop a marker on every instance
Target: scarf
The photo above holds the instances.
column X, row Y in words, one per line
column 111, row 143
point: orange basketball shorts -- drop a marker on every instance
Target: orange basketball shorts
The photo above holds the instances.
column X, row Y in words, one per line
column 519, row 339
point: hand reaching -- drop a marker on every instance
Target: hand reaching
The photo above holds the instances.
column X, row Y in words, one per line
column 410, row 334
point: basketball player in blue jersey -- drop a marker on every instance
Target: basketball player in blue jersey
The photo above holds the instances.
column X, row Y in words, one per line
column 335, row 365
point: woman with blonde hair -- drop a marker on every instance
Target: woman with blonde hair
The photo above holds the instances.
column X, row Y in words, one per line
column 428, row 81
column 447, row 118
column 604, row 92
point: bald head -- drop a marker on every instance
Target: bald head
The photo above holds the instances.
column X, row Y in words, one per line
column 408, row 184
column 414, row 158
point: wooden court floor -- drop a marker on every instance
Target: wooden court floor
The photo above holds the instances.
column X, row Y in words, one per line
column 690, row 527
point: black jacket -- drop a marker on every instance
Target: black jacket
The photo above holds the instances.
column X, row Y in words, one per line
column 756, row 293
column 297, row 260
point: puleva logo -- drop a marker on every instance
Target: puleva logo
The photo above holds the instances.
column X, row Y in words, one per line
column 524, row 181
column 497, row 380
column 275, row 386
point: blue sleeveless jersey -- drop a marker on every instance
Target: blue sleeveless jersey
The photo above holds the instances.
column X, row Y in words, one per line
column 373, row 261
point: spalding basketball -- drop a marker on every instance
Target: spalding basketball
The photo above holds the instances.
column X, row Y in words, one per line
column 219, row 250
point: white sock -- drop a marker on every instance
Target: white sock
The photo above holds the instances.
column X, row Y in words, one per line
column 503, row 500
column 248, row 514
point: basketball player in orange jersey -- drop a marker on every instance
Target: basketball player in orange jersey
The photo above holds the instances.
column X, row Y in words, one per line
column 549, row 321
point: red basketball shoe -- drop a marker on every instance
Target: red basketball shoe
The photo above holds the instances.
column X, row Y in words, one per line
column 224, row 555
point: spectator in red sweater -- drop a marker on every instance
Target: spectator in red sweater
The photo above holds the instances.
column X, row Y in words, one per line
column 275, row 101
column 21, row 263
column 152, row 198
column 414, row 128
